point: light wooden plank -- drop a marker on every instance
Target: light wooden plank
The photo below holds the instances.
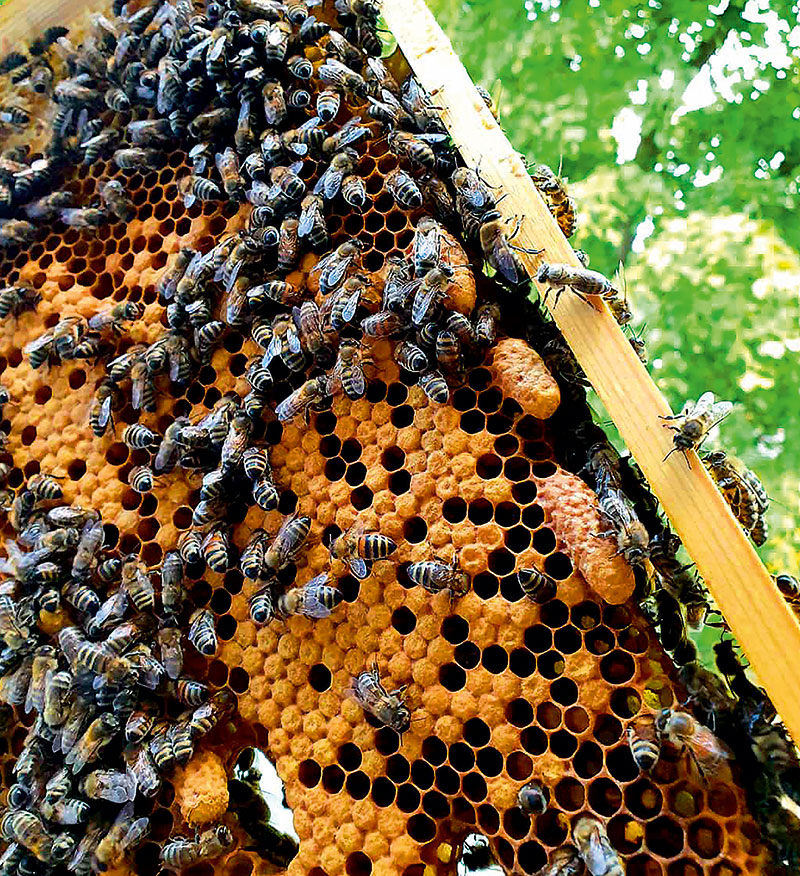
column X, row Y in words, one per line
column 767, row 630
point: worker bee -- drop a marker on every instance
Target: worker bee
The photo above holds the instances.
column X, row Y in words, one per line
column 417, row 152
column 437, row 575
column 705, row 750
column 116, row 201
column 312, row 222
column 90, row 540
column 172, row 581
column 27, row 829
column 16, row 232
column 388, row 707
column 411, row 357
column 96, row 736
column 327, row 104
column 111, row 785
column 202, row 633
column 435, row 387
column 262, row 605
column 169, row 642
column 427, row 246
column 265, row 494
column 139, row 437
column 536, row 585
column 565, row 861
column 309, row 322
column 314, row 394
column 533, row 798
column 236, row 441
column 316, row 599
column 216, row 548
column 333, row 267
column 359, row 548
column 632, row 538
column 333, row 72
column 638, row 345
column 17, row 299
column 143, row 388
column 138, row 158
column 125, row 833
column 582, row 281
column 431, row 291
column 384, row 324
column 227, row 163
column 742, row 491
column 354, row 191
column 330, row 182
column 205, row 717
column 137, row 583
column 694, row 422
column 252, row 558
column 288, row 245
column 191, row 692
column 644, row 741
column 176, row 854
column 498, row 250
column 140, row 478
column 595, row 848
column 287, row 542
column 402, row 187
column 348, row 371
column 559, row 203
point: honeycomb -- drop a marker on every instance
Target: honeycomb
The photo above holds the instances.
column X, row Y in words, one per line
column 501, row 690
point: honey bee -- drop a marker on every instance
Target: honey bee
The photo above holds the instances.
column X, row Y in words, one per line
column 44, row 663
column 17, row 299
column 139, row 437
column 275, row 291
column 417, row 152
column 638, row 344
column 252, row 558
column 143, row 388
column 27, row 829
column 140, row 764
column 411, row 357
column 176, row 854
column 559, row 203
column 354, row 191
column 384, row 324
column 47, row 207
column 334, row 72
column 644, row 741
column 140, row 478
column 202, row 632
column 435, row 387
column 432, row 290
column 582, row 281
column 333, row 267
column 190, row 547
column 287, row 542
column 236, row 441
column 96, row 736
column 314, row 394
column 191, row 692
column 116, row 201
column 169, row 642
column 215, row 550
column 533, row 798
column 694, row 422
column 536, row 585
column 205, row 717
column 138, row 158
column 437, row 575
column 565, row 861
column 595, row 848
column 312, row 222
column 316, row 599
column 111, row 785
column 16, row 232
column 742, row 491
column 342, row 165
column 150, row 132
column 288, row 245
column 402, row 187
column 474, row 199
column 137, row 583
column 56, row 693
column 262, row 605
column 125, row 833
column 388, row 707
column 90, row 540
column 310, row 326
column 789, row 588
column 498, row 250
column 633, row 541
column 708, row 753
column 227, row 163
column 348, row 371
column 359, row 548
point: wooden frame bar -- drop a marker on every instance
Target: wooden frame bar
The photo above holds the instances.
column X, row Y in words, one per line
column 756, row 612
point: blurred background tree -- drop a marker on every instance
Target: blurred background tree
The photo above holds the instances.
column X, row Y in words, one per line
column 677, row 124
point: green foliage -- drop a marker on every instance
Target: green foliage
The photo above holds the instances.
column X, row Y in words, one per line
column 715, row 175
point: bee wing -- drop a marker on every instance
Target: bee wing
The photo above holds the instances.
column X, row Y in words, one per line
column 335, row 273
column 423, row 299
column 720, row 410
column 329, row 183
column 307, row 220
column 504, row 260
column 235, row 303
column 358, row 567
column 427, row 244
column 44, row 340
column 286, row 409
column 350, row 308
column 293, row 340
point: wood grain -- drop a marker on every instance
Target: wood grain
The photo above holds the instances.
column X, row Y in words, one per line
column 760, row 619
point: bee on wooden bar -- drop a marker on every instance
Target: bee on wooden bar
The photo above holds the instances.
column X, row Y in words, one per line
column 742, row 491
column 387, row 706
column 555, row 195
column 694, row 422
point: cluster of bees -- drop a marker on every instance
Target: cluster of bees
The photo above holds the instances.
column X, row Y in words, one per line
column 98, row 693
